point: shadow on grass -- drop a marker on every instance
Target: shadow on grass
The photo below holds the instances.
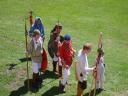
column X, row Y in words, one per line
column 49, row 74
column 11, row 66
column 24, row 59
column 24, row 89
column 92, row 93
column 52, row 91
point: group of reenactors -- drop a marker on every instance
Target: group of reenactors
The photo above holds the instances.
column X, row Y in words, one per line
column 62, row 53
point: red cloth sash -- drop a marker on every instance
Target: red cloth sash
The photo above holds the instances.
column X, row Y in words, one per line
column 44, row 61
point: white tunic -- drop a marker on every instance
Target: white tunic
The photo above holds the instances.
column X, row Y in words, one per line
column 36, row 66
column 82, row 66
column 36, row 42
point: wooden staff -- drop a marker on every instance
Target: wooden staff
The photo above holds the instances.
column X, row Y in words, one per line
column 76, row 75
column 26, row 39
column 97, row 60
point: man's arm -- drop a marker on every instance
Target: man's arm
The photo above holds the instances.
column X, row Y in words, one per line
column 85, row 69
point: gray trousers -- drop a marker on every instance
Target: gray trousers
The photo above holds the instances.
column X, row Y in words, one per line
column 100, row 76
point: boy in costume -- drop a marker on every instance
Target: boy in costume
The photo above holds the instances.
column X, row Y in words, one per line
column 82, row 68
column 53, row 48
column 100, row 70
column 35, row 50
column 66, row 55
column 38, row 24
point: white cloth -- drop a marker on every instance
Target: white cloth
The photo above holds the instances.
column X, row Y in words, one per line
column 82, row 67
column 59, row 61
column 36, row 67
column 55, row 58
column 36, row 42
column 66, row 73
column 41, row 41
column 100, row 73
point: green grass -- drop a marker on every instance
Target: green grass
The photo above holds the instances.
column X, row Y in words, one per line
column 83, row 19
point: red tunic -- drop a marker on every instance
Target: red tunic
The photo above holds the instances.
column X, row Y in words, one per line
column 44, row 61
column 66, row 52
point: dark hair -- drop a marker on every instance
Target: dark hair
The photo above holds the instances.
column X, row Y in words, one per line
column 87, row 46
column 100, row 51
column 56, row 26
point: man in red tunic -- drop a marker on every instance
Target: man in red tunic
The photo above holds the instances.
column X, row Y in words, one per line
column 66, row 55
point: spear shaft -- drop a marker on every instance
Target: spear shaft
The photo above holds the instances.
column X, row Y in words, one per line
column 26, row 45
column 97, row 60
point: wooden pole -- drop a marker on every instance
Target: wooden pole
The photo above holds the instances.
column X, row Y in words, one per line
column 97, row 61
column 26, row 45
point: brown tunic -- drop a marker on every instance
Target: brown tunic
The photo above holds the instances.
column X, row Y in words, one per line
column 53, row 45
column 36, row 54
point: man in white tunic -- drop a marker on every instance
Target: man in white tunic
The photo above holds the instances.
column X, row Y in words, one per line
column 82, row 68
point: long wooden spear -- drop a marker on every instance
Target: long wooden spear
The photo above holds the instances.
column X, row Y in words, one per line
column 97, row 60
column 26, row 45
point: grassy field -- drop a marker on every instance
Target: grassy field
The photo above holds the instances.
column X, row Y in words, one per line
column 83, row 19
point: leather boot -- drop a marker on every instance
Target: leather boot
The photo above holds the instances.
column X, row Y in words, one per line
column 34, row 80
column 54, row 66
column 62, row 88
column 60, row 71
